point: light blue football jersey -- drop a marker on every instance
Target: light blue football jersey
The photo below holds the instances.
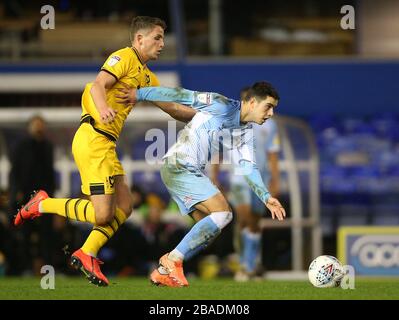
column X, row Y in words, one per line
column 214, row 129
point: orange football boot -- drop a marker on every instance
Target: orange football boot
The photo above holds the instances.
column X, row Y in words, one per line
column 90, row 266
column 173, row 269
column 31, row 209
column 162, row 279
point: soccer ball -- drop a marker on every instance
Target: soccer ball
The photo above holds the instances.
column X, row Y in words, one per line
column 325, row 272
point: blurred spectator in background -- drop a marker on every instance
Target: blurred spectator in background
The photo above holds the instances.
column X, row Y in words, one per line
column 33, row 169
column 32, row 164
column 160, row 235
column 138, row 197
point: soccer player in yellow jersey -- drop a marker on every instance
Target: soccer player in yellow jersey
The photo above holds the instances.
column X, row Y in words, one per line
column 93, row 147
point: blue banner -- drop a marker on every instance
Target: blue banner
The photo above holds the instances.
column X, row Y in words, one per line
column 370, row 250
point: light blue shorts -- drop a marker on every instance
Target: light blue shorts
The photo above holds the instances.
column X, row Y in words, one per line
column 187, row 186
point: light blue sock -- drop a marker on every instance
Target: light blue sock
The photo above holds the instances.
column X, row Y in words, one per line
column 198, row 238
column 251, row 248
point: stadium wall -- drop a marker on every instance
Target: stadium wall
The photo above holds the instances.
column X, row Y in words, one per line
column 341, row 87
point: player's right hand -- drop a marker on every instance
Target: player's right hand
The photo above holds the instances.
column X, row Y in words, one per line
column 276, row 208
column 107, row 115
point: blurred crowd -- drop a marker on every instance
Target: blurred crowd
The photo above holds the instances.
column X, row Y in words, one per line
column 155, row 228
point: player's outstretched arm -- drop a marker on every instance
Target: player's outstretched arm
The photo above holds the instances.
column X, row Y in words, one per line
column 163, row 94
column 128, row 95
column 254, row 180
column 176, row 110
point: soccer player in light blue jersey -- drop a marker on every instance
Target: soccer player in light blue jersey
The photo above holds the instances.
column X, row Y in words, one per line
column 248, row 208
column 219, row 121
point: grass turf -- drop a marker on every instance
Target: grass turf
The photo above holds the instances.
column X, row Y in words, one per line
column 140, row 289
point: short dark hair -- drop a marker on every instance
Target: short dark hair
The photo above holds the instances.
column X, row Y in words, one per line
column 243, row 92
column 260, row 91
column 145, row 22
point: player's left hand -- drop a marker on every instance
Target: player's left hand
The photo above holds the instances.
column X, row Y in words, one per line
column 127, row 95
column 276, row 208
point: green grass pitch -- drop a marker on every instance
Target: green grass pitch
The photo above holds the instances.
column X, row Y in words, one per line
column 76, row 288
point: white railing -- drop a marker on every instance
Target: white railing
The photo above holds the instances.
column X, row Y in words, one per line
column 293, row 167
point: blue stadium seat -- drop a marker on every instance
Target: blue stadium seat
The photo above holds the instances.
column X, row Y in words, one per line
column 364, row 189
column 384, row 125
column 364, row 128
column 326, row 136
column 333, row 179
column 320, row 122
column 150, row 182
column 365, row 178
column 393, row 134
column 351, row 125
column 341, row 144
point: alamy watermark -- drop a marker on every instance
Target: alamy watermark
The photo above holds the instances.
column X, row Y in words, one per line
column 225, row 146
column 48, row 20
column 348, row 280
column 348, row 20
column 48, row 280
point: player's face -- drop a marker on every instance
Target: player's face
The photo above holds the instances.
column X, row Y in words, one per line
column 263, row 109
column 152, row 43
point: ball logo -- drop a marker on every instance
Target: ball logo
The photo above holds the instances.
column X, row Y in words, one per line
column 328, row 269
column 377, row 250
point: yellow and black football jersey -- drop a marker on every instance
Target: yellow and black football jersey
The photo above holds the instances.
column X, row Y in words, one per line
column 127, row 67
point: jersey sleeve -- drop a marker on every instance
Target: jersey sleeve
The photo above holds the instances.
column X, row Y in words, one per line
column 243, row 157
column 254, row 179
column 213, row 103
column 117, row 64
column 179, row 95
